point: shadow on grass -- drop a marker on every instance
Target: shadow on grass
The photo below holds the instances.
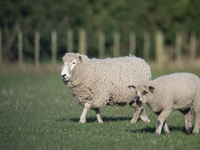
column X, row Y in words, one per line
column 115, row 119
column 153, row 129
column 94, row 119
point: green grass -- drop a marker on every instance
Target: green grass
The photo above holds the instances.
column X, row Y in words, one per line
column 37, row 111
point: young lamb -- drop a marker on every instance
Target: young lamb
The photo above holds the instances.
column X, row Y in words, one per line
column 176, row 91
column 99, row 82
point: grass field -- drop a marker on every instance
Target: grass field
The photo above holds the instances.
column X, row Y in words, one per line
column 37, row 111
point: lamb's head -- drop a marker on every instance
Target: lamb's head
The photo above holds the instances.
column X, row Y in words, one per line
column 71, row 61
column 144, row 93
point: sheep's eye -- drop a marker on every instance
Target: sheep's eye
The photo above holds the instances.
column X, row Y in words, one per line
column 144, row 93
column 74, row 62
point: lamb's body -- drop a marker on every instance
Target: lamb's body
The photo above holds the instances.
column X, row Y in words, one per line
column 176, row 91
column 100, row 82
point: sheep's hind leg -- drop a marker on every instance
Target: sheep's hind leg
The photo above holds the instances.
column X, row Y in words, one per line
column 98, row 115
column 84, row 113
column 197, row 121
column 188, row 120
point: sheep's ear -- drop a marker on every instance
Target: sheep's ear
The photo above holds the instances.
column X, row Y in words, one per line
column 151, row 89
column 131, row 86
column 80, row 58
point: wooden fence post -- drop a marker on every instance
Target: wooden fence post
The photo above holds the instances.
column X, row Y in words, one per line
column 178, row 46
column 1, row 48
column 101, row 44
column 82, row 42
column 146, row 45
column 53, row 46
column 192, row 46
column 116, row 46
column 69, row 40
column 20, row 48
column 159, row 48
column 132, row 43
column 37, row 48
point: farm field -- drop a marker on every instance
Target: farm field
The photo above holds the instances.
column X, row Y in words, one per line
column 37, row 111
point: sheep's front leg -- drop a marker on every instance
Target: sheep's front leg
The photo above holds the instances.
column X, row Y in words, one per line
column 136, row 114
column 98, row 115
column 161, row 121
column 143, row 115
column 139, row 111
column 84, row 113
column 165, row 127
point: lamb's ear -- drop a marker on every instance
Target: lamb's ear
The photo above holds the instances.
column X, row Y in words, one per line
column 131, row 86
column 80, row 58
column 151, row 89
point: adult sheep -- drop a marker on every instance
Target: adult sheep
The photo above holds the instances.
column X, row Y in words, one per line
column 99, row 82
column 172, row 92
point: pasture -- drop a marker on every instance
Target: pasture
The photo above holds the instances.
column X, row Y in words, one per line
column 37, row 111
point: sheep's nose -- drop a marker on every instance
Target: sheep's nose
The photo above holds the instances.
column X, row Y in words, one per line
column 138, row 101
column 63, row 75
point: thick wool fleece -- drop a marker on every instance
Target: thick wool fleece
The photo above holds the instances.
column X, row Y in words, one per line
column 105, row 81
column 175, row 91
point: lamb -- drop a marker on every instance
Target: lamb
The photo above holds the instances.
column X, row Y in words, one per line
column 171, row 92
column 99, row 82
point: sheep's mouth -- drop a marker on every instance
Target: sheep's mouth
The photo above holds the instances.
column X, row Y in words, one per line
column 65, row 78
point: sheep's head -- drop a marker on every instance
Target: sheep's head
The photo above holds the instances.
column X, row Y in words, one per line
column 70, row 61
column 143, row 93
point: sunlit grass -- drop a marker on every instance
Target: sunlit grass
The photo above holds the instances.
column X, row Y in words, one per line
column 37, row 111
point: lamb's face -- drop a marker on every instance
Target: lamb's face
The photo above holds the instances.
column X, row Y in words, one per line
column 67, row 68
column 143, row 93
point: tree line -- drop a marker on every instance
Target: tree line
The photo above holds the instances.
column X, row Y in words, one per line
column 118, row 21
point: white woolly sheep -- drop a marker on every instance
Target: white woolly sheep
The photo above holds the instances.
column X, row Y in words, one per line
column 99, row 82
column 172, row 92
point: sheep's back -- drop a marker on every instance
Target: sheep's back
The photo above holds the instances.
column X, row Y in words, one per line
column 178, row 89
column 119, row 74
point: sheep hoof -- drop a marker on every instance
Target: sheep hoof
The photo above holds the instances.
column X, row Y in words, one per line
column 82, row 121
column 167, row 133
column 144, row 118
column 156, row 134
column 101, row 121
column 133, row 121
column 194, row 133
column 147, row 120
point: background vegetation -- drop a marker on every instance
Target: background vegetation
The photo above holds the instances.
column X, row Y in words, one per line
column 123, row 16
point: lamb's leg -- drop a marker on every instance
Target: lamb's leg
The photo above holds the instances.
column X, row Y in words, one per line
column 188, row 120
column 161, row 119
column 165, row 127
column 136, row 114
column 83, row 115
column 143, row 115
column 139, row 111
column 98, row 115
column 197, row 121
